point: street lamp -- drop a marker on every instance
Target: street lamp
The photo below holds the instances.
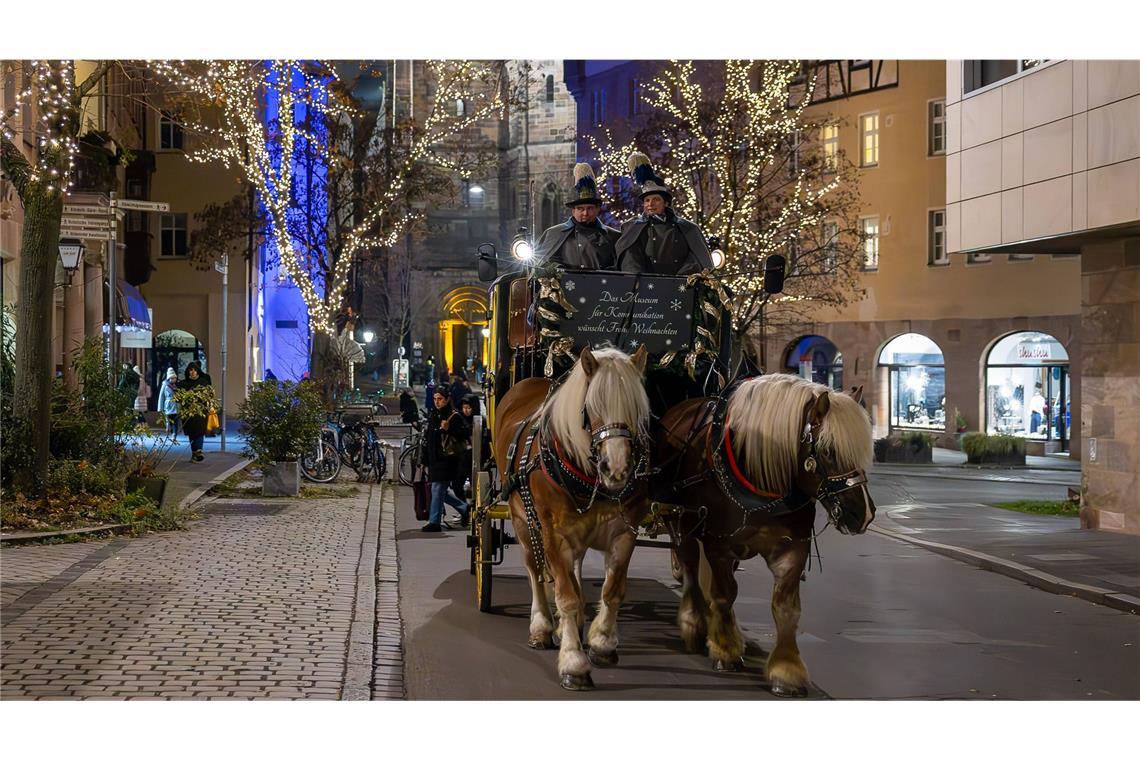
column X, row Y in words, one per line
column 71, row 253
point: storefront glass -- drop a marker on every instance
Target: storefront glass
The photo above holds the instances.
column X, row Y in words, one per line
column 1027, row 388
column 816, row 358
column 916, row 381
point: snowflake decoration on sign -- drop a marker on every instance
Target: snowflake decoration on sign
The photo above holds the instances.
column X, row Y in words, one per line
column 634, row 343
column 676, row 304
column 569, row 285
column 651, row 286
column 680, row 287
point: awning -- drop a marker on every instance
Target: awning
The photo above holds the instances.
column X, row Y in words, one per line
column 133, row 313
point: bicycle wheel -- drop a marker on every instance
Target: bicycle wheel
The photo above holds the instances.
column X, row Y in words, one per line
column 380, row 460
column 409, row 462
column 321, row 470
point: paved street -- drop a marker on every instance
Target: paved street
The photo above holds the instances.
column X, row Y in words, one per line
column 883, row 620
column 277, row 599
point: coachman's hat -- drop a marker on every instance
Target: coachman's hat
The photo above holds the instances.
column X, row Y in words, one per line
column 647, row 180
column 585, row 187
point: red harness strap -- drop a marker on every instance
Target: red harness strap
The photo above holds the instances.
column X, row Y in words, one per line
column 730, row 457
column 565, row 461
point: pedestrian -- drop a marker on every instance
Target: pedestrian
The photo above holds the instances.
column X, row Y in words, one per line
column 582, row 241
column 469, row 408
column 459, row 389
column 444, row 441
column 129, row 385
column 463, row 471
column 166, row 403
column 409, row 412
column 195, row 425
column 142, row 395
column 658, row 241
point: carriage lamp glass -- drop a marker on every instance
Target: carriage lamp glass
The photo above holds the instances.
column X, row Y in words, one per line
column 71, row 253
column 716, row 252
column 369, row 336
column 521, row 249
column 486, row 332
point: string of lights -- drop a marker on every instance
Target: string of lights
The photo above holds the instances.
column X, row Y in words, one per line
column 49, row 90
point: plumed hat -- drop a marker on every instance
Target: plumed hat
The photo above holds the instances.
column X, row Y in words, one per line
column 585, row 190
column 646, row 179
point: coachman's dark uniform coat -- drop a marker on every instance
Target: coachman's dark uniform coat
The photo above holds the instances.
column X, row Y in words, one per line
column 579, row 246
column 669, row 245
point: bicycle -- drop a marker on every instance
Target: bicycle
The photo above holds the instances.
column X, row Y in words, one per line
column 322, row 463
column 364, row 450
column 412, row 451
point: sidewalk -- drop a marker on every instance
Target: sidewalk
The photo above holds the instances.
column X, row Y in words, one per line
column 1051, row 553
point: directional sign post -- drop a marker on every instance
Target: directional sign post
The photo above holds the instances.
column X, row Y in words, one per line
column 142, row 205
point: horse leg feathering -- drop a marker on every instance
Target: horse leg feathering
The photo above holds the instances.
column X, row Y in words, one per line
column 603, row 637
column 691, row 615
column 726, row 643
column 786, row 671
column 573, row 664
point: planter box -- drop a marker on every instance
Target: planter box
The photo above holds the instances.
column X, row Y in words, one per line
column 906, row 454
column 153, row 488
column 281, row 479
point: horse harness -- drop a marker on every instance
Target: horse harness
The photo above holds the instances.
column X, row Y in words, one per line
column 562, row 473
column 750, row 502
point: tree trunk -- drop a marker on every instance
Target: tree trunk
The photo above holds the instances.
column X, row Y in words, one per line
column 32, row 393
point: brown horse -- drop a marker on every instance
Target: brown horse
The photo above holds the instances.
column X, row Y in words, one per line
column 747, row 473
column 569, row 454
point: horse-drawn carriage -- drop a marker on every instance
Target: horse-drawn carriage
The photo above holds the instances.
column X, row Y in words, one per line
column 723, row 465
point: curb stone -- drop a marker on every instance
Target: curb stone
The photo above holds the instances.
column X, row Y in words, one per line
column 1032, row 576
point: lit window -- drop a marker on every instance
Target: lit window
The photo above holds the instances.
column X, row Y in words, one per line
column 869, row 132
column 460, row 107
column 937, row 128
column 830, row 140
column 871, row 243
column 830, row 246
column 937, row 239
column 174, row 235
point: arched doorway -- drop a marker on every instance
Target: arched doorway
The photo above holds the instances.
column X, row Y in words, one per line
column 815, row 358
column 916, row 382
column 461, row 330
column 173, row 348
column 1027, row 388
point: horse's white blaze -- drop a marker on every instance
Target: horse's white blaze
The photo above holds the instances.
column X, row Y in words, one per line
column 617, row 454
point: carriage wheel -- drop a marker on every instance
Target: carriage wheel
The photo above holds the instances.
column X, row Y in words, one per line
column 484, row 550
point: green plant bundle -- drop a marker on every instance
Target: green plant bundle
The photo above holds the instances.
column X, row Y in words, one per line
column 913, row 439
column 89, row 423
column 281, row 420
column 195, row 402
column 979, row 445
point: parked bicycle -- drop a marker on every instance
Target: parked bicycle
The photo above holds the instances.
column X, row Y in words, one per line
column 411, row 454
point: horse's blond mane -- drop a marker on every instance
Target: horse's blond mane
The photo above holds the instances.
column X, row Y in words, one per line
column 766, row 415
column 615, row 393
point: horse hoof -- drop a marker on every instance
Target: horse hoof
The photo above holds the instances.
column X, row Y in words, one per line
column 729, row 666
column 576, row 683
column 784, row 689
column 540, row 642
column 602, row 659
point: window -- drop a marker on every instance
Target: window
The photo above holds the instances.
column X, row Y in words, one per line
column 830, row 246
column 549, row 88
column 870, row 227
column 174, row 235
column 473, row 194
column 977, row 258
column 136, row 221
column 636, row 93
column 794, row 255
column 869, row 136
column 936, row 239
column 916, row 382
column 598, row 114
column 830, row 139
column 170, row 132
column 937, row 128
column 460, row 107
column 1027, row 388
column 978, row 74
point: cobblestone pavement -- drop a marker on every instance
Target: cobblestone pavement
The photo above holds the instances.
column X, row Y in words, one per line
column 259, row 599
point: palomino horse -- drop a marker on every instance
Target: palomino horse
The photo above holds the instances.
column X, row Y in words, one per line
column 747, row 472
column 571, row 453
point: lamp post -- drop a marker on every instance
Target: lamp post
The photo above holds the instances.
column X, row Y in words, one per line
column 71, row 252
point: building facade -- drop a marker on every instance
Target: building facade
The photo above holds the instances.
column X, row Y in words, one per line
column 939, row 342
column 1044, row 157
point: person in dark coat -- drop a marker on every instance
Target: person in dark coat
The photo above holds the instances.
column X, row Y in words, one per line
column 658, row 241
column 582, row 241
column 195, row 426
column 443, row 464
column 459, row 389
column 409, row 412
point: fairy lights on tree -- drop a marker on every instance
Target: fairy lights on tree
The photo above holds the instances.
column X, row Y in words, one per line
column 746, row 164
column 224, row 103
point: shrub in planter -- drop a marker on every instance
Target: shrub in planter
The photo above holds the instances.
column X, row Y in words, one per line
column 906, row 448
column 280, row 421
column 993, row 449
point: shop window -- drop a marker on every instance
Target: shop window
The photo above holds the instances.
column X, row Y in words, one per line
column 1027, row 388
column 916, row 382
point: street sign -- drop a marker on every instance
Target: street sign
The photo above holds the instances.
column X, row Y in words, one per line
column 142, row 205
column 84, row 209
column 92, row 222
column 85, row 234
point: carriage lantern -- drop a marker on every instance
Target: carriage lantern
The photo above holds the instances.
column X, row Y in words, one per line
column 717, row 253
column 521, row 248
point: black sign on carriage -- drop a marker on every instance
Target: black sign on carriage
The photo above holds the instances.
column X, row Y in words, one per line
column 628, row 311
